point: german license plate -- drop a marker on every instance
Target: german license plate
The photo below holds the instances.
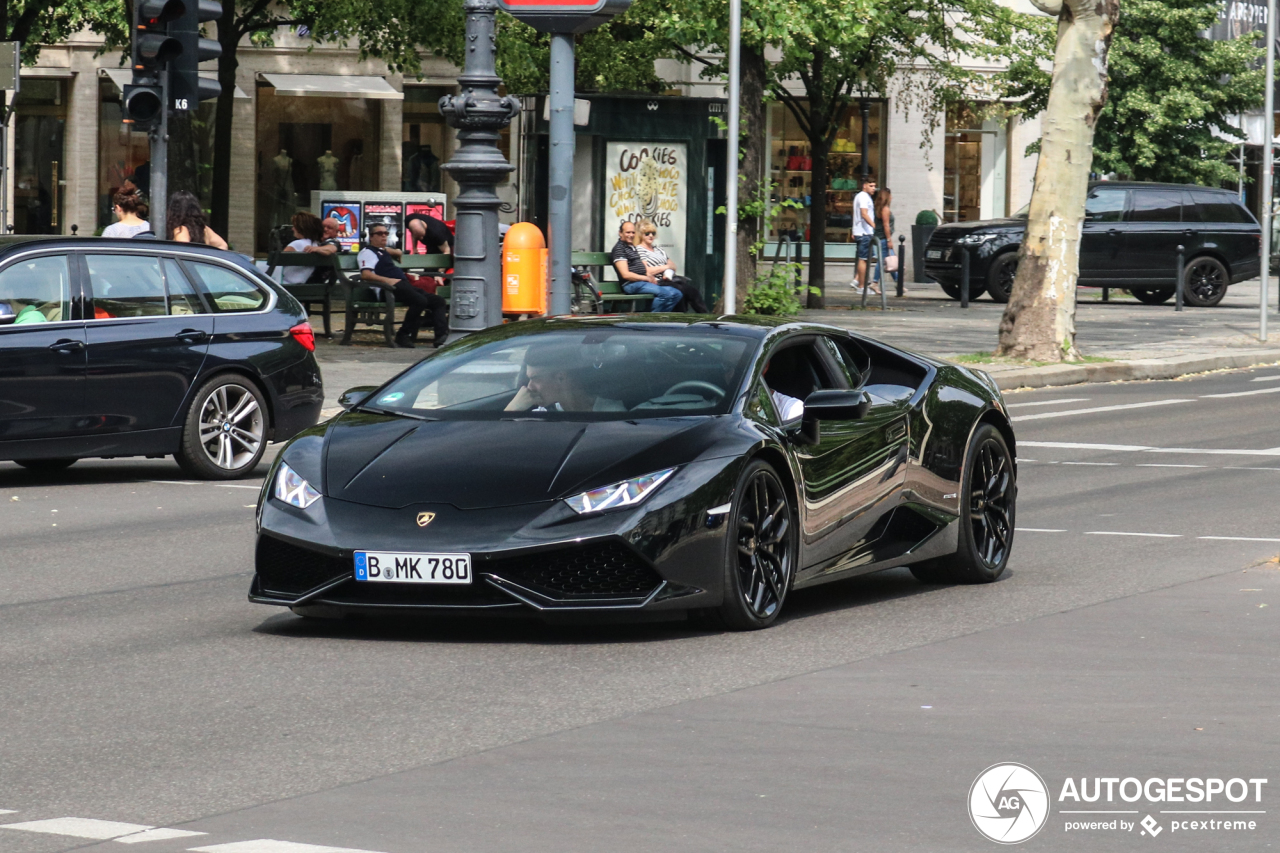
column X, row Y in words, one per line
column 396, row 567
column 933, row 254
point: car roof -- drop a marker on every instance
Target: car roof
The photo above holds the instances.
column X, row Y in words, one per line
column 1157, row 186
column 11, row 243
column 747, row 325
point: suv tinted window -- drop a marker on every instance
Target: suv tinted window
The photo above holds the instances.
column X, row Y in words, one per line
column 1105, row 204
column 1155, row 206
column 229, row 291
column 35, row 291
column 1219, row 207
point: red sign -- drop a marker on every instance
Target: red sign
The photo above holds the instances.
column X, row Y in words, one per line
column 564, row 16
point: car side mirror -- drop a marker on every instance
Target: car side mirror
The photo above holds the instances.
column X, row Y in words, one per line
column 836, row 405
column 353, row 397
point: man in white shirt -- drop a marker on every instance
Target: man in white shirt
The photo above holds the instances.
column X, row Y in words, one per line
column 864, row 227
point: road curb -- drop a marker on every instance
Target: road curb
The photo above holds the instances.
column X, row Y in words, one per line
column 1128, row 371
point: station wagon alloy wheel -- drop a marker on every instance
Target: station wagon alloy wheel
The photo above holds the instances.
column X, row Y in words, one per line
column 225, row 433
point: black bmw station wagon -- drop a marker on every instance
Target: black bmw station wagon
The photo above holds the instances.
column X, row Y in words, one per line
column 148, row 348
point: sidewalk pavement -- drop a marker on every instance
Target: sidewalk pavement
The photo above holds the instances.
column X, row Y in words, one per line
column 1139, row 341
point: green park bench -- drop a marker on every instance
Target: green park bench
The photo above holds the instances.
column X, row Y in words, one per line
column 613, row 299
column 367, row 309
column 310, row 294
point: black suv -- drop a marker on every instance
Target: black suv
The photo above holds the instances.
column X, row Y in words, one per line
column 1131, row 236
column 146, row 348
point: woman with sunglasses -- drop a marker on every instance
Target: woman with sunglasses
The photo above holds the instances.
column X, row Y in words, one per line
column 662, row 268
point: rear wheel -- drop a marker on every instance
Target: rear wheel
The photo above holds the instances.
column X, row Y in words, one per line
column 1152, row 297
column 953, row 290
column 761, row 552
column 46, row 465
column 225, row 433
column 1000, row 277
column 1204, row 282
column 987, row 515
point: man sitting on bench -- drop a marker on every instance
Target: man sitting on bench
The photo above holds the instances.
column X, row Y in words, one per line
column 633, row 275
column 378, row 268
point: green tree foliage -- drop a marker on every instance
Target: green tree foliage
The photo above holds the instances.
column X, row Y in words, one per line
column 1169, row 88
column 37, row 23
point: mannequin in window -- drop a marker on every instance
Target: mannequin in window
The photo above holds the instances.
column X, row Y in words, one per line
column 283, row 198
column 328, row 170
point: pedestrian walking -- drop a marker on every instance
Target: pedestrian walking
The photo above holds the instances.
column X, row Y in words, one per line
column 884, row 233
column 185, row 222
column 634, row 276
column 128, row 207
column 663, row 268
column 864, row 229
column 378, row 267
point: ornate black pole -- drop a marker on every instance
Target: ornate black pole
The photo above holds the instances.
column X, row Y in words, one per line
column 478, row 114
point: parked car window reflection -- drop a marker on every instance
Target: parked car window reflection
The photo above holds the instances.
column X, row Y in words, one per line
column 126, row 286
column 1155, row 206
column 1219, row 207
column 182, row 296
column 1104, row 205
column 229, row 291
column 35, row 291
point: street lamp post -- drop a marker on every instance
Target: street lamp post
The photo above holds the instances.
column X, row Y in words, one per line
column 479, row 113
column 731, row 201
column 1268, row 158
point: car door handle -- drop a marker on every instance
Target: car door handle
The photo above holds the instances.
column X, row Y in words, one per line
column 67, row 345
column 1113, row 232
column 895, row 432
column 192, row 336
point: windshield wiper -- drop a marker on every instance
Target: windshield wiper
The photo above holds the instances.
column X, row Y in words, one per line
column 377, row 411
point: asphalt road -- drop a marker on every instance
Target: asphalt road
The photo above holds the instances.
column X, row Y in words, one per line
column 1134, row 635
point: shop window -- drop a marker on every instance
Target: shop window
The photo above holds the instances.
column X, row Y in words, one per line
column 975, row 183
column 792, row 171
column 40, row 114
column 425, row 139
column 311, row 143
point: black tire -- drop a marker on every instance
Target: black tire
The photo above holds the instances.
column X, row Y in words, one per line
column 953, row 290
column 1204, row 282
column 1000, row 277
column 234, row 436
column 986, row 523
column 46, row 466
column 759, row 569
column 1152, row 297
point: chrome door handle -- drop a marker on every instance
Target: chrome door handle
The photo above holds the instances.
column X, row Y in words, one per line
column 67, row 345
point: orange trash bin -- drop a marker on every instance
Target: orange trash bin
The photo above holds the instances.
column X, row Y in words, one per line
column 524, row 270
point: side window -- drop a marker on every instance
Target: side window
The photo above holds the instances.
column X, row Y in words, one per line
column 853, row 362
column 1104, row 204
column 760, row 406
column 126, row 286
column 182, row 296
column 35, row 291
column 229, row 291
column 1190, row 210
column 1219, row 208
column 1155, row 206
column 796, row 371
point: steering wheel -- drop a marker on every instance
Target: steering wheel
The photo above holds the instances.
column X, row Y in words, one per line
column 696, row 385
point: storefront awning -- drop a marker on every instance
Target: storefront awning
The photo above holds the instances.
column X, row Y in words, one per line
column 123, row 76
column 331, row 86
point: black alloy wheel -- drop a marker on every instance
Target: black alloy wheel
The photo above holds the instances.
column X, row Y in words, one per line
column 988, row 506
column 1000, row 277
column 1152, row 297
column 1204, row 282
column 976, row 289
column 761, row 556
column 46, row 466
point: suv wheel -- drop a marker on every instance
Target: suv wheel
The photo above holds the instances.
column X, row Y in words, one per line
column 1000, row 277
column 953, row 290
column 225, row 433
column 1204, row 282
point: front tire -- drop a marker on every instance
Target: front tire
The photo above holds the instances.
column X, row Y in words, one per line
column 46, row 466
column 760, row 551
column 1204, row 282
column 988, row 503
column 1000, row 277
column 225, row 432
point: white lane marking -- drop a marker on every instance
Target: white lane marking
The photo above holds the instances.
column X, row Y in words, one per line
column 1120, row 533
column 1091, row 463
column 79, row 827
column 1239, row 538
column 1139, row 448
column 1076, row 445
column 1265, row 379
column 1050, row 402
column 1216, row 451
column 161, row 834
column 1236, row 468
column 1038, row 530
column 1024, row 459
column 8, row 811
column 1166, row 465
column 270, row 845
column 1101, row 409
column 176, row 482
column 1240, row 394
column 236, row 486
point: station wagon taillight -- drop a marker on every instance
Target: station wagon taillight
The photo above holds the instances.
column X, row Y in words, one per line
column 302, row 334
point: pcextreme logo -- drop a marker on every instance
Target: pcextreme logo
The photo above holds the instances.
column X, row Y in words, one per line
column 1009, row 803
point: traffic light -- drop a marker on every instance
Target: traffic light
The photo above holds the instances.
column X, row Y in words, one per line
column 142, row 104
column 186, row 87
column 151, row 48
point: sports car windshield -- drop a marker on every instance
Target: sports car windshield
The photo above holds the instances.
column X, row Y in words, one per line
column 588, row 374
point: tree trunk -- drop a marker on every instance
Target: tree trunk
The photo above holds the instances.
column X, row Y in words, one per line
column 183, row 169
column 753, row 181
column 820, row 147
column 1039, row 321
column 228, row 63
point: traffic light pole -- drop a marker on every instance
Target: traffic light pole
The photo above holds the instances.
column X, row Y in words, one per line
column 560, row 172
column 160, row 164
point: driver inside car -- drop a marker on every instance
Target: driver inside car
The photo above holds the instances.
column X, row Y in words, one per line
column 789, row 408
column 554, row 381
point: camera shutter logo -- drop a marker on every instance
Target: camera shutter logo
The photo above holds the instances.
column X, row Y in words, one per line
column 1008, row 803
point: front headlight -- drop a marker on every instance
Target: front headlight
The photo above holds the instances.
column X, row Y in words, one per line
column 975, row 239
column 292, row 489
column 627, row 493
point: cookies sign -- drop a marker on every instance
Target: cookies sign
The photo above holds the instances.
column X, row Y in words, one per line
column 649, row 181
